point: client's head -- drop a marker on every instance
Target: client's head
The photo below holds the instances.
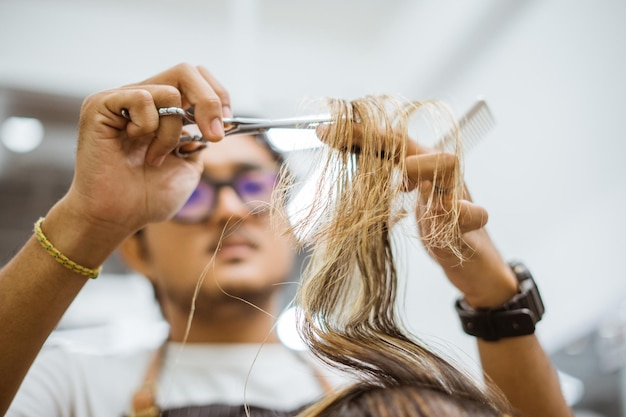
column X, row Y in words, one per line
column 370, row 400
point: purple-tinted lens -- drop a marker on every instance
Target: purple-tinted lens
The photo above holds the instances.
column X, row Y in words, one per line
column 199, row 205
column 255, row 187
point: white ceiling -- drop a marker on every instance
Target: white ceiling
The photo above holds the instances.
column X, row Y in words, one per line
column 270, row 54
column 551, row 174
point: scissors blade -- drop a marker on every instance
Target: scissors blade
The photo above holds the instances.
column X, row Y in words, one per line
column 237, row 125
column 252, row 126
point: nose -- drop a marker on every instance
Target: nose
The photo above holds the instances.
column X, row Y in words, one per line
column 228, row 206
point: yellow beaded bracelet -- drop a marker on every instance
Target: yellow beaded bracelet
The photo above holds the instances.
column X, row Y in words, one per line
column 60, row 258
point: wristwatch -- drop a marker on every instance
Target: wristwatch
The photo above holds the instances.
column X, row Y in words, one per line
column 517, row 317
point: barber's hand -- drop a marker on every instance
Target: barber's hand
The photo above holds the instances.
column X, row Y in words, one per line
column 126, row 175
column 483, row 277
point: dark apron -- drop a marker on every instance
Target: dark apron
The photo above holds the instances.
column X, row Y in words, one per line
column 217, row 410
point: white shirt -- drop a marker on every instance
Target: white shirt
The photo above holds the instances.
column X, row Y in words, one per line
column 66, row 383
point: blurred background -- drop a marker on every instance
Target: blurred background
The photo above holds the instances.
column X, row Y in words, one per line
column 551, row 173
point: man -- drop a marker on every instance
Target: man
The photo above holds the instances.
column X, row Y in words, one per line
column 129, row 189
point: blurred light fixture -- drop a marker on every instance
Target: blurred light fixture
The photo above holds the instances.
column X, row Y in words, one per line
column 287, row 140
column 21, row 134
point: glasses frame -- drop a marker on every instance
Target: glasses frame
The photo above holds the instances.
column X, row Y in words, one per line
column 217, row 186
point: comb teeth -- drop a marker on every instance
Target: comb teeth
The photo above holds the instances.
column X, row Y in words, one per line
column 473, row 127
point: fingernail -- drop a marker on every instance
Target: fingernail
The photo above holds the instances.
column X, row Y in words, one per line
column 227, row 112
column 217, row 126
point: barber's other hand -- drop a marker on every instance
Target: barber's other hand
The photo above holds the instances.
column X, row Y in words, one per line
column 483, row 276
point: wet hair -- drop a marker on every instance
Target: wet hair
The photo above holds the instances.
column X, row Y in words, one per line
column 347, row 298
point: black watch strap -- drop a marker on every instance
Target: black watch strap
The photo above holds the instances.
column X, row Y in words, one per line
column 516, row 317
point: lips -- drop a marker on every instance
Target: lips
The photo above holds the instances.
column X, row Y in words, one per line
column 237, row 244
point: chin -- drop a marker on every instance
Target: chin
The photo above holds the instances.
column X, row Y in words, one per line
column 242, row 277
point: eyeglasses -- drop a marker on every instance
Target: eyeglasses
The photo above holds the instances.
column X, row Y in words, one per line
column 254, row 188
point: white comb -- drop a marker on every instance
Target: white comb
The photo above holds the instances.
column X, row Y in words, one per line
column 473, row 127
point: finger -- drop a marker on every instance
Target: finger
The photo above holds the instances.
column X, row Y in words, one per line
column 168, row 133
column 358, row 140
column 199, row 92
column 219, row 89
column 415, row 148
column 164, row 131
column 106, row 109
column 439, row 168
column 471, row 216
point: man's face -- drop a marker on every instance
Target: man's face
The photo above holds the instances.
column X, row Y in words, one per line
column 242, row 254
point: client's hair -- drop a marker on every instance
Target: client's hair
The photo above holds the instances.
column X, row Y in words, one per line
column 348, row 292
column 369, row 400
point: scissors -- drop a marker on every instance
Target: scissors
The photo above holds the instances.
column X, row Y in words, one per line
column 237, row 125
column 473, row 125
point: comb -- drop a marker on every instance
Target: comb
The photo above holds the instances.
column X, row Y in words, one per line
column 473, row 126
